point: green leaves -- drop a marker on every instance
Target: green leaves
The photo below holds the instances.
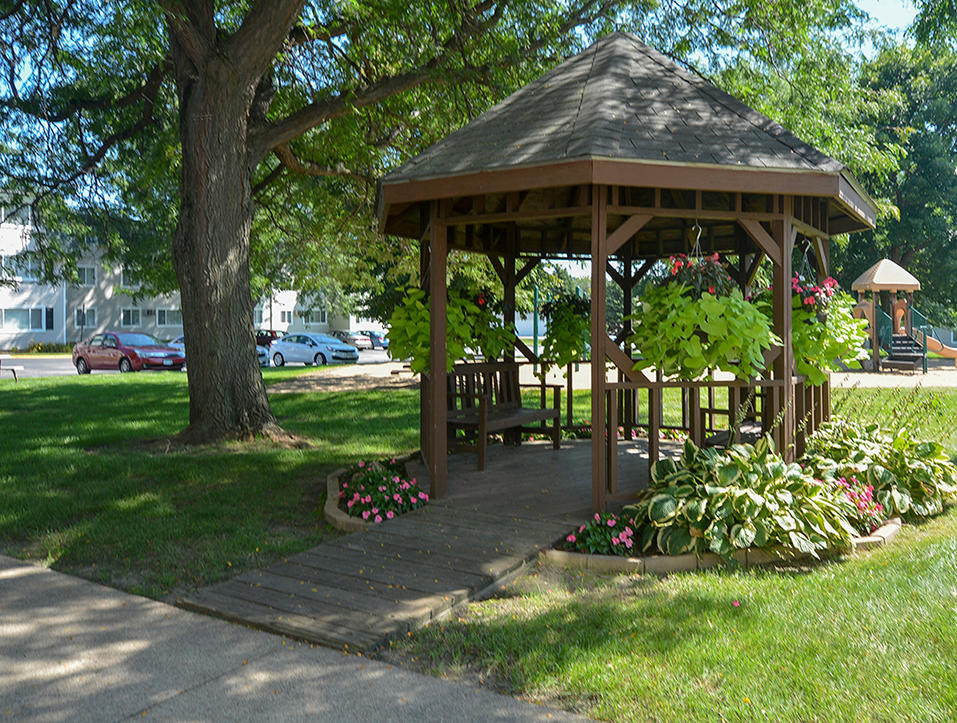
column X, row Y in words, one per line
column 746, row 496
column 471, row 330
column 910, row 478
column 687, row 337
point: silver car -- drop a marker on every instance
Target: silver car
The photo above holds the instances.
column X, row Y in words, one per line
column 262, row 353
column 315, row 349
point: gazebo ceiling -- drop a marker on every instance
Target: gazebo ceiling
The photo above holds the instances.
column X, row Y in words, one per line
column 621, row 114
column 885, row 275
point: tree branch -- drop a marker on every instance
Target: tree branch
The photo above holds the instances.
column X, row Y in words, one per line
column 306, row 167
column 35, row 106
column 193, row 25
column 264, row 30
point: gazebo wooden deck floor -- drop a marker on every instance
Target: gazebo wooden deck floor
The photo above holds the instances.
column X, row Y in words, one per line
column 368, row 587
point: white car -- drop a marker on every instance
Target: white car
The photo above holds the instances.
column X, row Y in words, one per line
column 308, row 349
column 262, row 353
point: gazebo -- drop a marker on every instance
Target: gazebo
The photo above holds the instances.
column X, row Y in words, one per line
column 621, row 157
column 886, row 275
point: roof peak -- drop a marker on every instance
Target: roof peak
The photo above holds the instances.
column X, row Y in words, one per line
column 619, row 99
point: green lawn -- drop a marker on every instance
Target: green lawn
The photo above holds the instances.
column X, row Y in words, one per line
column 869, row 638
column 81, row 492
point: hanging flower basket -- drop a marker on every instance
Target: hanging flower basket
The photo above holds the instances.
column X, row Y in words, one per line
column 697, row 321
column 824, row 329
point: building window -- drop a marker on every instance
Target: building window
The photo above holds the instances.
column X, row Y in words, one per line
column 314, row 316
column 25, row 269
column 285, row 317
column 87, row 275
column 258, row 317
column 23, row 319
column 130, row 317
column 127, row 281
column 83, row 318
column 169, row 317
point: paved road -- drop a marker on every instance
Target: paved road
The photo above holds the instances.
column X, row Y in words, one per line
column 59, row 366
column 73, row 650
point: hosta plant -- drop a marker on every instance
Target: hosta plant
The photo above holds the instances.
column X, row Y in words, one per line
column 910, row 478
column 378, row 491
column 471, row 329
column 745, row 496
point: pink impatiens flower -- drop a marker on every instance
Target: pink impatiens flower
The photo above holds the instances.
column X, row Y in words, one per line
column 390, row 514
column 378, row 519
column 365, row 514
column 571, row 538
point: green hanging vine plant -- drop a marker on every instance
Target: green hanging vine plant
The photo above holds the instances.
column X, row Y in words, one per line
column 697, row 321
column 567, row 335
column 472, row 329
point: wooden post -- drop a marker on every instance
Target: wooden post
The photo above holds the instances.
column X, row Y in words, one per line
column 908, row 318
column 875, row 342
column 425, row 426
column 508, row 288
column 599, row 219
column 783, row 367
column 438, row 404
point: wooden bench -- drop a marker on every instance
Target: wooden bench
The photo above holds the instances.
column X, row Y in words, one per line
column 9, row 368
column 486, row 397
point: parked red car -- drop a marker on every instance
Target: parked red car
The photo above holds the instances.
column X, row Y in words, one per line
column 127, row 351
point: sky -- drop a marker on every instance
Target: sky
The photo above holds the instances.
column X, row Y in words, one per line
column 894, row 14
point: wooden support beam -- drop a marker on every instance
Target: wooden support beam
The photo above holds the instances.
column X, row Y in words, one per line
column 623, row 234
column 645, row 268
column 438, row 301
column 614, row 274
column 783, row 366
column 599, row 255
column 753, row 269
column 620, row 360
column 526, row 269
column 768, row 244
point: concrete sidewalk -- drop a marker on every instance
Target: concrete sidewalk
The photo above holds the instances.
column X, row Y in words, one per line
column 74, row 650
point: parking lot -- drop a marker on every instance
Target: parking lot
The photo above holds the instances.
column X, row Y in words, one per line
column 60, row 365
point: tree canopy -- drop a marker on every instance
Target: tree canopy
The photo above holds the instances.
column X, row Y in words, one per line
column 247, row 136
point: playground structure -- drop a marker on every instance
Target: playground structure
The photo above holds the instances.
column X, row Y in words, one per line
column 906, row 335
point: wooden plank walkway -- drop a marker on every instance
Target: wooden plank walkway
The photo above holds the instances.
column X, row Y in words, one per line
column 366, row 588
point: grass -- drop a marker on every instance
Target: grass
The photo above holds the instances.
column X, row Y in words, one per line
column 865, row 638
column 869, row 638
column 79, row 490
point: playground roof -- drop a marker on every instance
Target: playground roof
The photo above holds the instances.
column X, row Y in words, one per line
column 885, row 275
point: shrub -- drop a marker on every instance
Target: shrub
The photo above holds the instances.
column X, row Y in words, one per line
column 604, row 534
column 377, row 491
column 746, row 496
column 910, row 478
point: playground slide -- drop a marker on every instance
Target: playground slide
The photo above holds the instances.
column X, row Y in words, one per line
column 936, row 346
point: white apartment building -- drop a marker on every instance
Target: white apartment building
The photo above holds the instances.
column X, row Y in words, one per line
column 36, row 313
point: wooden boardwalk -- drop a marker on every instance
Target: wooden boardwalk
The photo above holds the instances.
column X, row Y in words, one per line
column 365, row 588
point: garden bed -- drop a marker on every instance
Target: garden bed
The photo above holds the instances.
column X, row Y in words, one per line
column 669, row 564
column 333, row 512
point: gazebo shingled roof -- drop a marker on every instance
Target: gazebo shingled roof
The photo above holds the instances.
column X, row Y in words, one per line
column 619, row 155
column 885, row 275
column 622, row 101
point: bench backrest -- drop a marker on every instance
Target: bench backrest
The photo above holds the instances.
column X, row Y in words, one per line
column 498, row 381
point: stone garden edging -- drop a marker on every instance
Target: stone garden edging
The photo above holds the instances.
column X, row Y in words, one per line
column 335, row 516
column 668, row 564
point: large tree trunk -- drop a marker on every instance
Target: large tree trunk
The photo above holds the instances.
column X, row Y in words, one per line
column 227, row 397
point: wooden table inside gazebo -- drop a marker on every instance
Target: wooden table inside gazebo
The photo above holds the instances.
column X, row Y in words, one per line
column 617, row 156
